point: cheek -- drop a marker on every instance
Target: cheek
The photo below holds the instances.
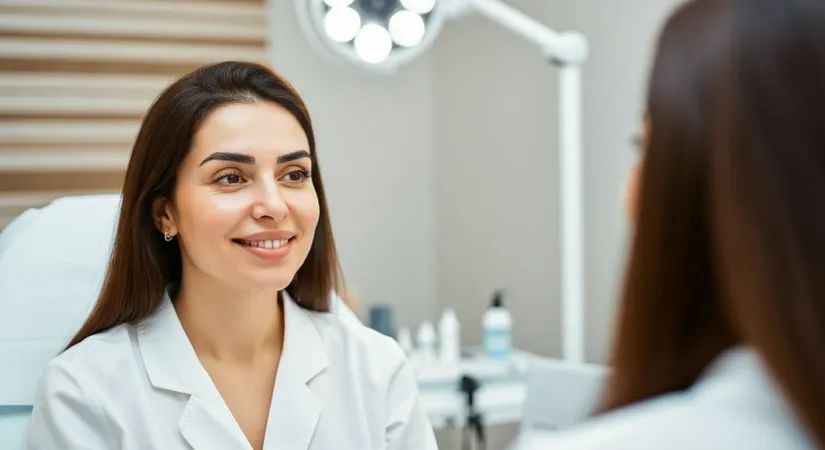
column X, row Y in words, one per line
column 306, row 211
column 207, row 213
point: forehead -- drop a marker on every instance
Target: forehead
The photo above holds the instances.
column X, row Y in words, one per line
column 259, row 129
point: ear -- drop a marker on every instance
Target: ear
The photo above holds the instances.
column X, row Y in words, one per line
column 165, row 217
column 631, row 197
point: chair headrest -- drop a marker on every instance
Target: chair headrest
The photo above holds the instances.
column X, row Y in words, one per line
column 52, row 264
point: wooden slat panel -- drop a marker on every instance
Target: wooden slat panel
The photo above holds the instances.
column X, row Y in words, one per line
column 90, row 66
column 60, row 159
column 17, row 90
column 127, row 51
column 77, row 76
column 228, row 11
column 125, row 84
column 129, row 27
column 58, row 180
column 101, row 106
column 58, row 132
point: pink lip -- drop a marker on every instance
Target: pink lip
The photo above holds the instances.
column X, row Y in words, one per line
column 268, row 254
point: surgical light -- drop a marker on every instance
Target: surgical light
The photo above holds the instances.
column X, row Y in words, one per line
column 390, row 33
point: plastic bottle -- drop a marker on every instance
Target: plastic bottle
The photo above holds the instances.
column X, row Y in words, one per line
column 426, row 342
column 405, row 340
column 497, row 324
column 449, row 335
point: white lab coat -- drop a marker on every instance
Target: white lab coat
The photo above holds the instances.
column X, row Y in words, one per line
column 735, row 405
column 339, row 386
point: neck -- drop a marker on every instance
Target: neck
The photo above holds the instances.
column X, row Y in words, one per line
column 227, row 324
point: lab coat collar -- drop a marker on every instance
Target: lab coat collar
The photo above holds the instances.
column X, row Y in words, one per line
column 169, row 358
column 734, row 363
column 295, row 408
column 171, row 364
column 740, row 373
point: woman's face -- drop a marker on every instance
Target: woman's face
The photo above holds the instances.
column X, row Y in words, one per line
column 245, row 210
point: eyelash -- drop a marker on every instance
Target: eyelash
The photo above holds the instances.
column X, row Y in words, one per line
column 230, row 173
column 305, row 175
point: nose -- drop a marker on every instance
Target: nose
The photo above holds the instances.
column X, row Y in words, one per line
column 268, row 203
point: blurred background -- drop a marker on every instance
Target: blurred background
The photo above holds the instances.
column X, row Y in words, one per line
column 442, row 178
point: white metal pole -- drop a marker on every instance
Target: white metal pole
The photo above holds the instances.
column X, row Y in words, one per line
column 568, row 50
column 570, row 184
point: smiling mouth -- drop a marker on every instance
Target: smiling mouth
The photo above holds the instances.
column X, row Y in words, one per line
column 274, row 243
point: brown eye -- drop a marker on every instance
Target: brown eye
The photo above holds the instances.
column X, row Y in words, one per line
column 229, row 179
column 297, row 176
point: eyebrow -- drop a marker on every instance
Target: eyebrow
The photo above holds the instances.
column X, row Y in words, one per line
column 242, row 158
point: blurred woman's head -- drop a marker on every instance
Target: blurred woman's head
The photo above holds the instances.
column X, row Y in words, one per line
column 729, row 240
column 223, row 188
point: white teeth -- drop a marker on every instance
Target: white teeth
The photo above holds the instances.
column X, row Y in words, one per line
column 267, row 244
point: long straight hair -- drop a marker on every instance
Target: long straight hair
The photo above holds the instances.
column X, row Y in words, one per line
column 729, row 245
column 143, row 265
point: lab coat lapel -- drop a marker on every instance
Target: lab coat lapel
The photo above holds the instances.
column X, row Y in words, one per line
column 295, row 408
column 172, row 365
column 204, row 426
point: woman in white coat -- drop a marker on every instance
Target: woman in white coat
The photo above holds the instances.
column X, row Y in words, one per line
column 212, row 330
column 721, row 329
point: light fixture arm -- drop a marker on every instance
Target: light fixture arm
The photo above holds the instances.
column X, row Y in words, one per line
column 564, row 48
column 568, row 51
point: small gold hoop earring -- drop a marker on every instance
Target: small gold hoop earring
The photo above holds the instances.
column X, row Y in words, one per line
column 167, row 236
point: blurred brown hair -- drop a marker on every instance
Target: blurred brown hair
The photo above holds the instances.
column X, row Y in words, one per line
column 143, row 265
column 729, row 246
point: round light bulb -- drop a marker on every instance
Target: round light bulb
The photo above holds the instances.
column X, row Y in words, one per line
column 419, row 6
column 373, row 43
column 406, row 28
column 342, row 24
column 338, row 3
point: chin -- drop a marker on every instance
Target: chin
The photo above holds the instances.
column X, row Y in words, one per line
column 267, row 281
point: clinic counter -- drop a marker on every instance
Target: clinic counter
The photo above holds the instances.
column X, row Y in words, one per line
column 499, row 398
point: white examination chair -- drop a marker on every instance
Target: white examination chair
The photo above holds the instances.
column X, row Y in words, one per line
column 559, row 395
column 52, row 264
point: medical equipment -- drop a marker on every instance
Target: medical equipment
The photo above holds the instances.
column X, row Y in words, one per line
column 425, row 351
column 449, row 336
column 405, row 340
column 380, row 36
column 497, row 325
column 499, row 397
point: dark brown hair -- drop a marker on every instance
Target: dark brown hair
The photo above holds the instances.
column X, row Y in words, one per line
column 143, row 265
column 729, row 246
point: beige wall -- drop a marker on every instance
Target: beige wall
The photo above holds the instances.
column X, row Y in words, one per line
column 497, row 165
column 376, row 150
column 496, row 169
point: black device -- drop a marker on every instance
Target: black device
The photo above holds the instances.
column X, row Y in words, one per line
column 474, row 425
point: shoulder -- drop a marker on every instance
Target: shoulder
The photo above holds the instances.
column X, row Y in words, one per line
column 364, row 356
column 680, row 421
column 642, row 426
column 355, row 340
column 93, row 361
